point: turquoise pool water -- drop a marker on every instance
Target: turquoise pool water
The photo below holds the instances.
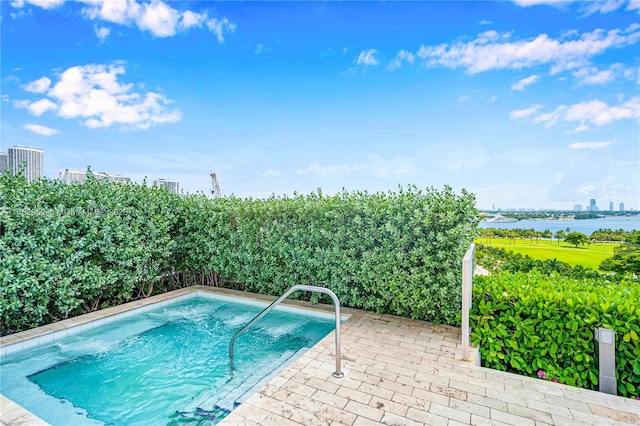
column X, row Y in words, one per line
column 165, row 366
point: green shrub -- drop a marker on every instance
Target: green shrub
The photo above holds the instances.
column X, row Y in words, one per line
column 526, row 323
column 70, row 249
column 396, row 252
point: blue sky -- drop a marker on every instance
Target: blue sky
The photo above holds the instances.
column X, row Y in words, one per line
column 530, row 104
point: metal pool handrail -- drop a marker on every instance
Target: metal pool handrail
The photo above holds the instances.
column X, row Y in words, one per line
column 336, row 303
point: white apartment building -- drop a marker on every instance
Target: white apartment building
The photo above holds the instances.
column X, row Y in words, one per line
column 73, row 175
column 4, row 162
column 31, row 160
column 171, row 186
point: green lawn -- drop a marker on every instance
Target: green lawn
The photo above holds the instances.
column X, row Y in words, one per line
column 588, row 256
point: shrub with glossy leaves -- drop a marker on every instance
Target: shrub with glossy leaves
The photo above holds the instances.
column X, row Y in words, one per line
column 395, row 252
column 70, row 249
column 530, row 322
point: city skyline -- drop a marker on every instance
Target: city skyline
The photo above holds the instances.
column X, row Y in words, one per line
column 76, row 175
column 523, row 103
column 32, row 160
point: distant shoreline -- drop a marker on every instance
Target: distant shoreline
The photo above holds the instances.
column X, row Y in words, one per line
column 586, row 226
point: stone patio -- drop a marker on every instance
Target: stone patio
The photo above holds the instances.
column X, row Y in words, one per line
column 396, row 372
column 405, row 372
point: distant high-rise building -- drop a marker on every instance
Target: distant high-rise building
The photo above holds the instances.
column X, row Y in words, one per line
column 71, row 175
column 577, row 208
column 4, row 162
column 171, row 186
column 592, row 205
column 621, row 207
column 31, row 160
column 610, row 206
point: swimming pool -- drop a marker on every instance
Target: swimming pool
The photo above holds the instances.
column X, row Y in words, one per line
column 168, row 365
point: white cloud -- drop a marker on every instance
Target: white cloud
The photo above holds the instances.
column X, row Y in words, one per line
column 593, row 76
column 331, row 171
column 527, row 3
column 192, row 19
column 159, row 19
column 599, row 113
column 102, row 32
column 485, row 22
column 155, row 16
column 401, row 56
column 368, row 58
column 117, row 12
column 588, row 113
column 94, row 94
column 521, row 113
column 603, row 6
column 589, row 145
column 38, row 107
column 220, row 26
column 45, row 4
column 494, row 51
column 38, row 86
column 40, row 130
column 521, row 84
column 587, row 7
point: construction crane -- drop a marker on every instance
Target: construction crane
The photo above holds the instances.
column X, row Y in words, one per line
column 215, row 186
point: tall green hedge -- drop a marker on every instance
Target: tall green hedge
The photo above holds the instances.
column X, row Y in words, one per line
column 397, row 252
column 69, row 249
column 542, row 326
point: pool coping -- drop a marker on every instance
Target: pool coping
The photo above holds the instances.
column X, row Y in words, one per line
column 13, row 413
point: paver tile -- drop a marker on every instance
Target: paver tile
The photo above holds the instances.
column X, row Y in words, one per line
column 364, row 410
column 567, row 403
column 426, row 417
column 511, row 419
column 376, row 391
column 483, row 421
column 529, row 413
column 470, row 407
column 411, row 401
column 616, row 415
column 355, row 395
column 450, row 413
column 388, row 406
column 391, row 419
column 330, row 399
column 487, row 402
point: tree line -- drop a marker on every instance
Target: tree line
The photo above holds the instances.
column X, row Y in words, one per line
column 598, row 236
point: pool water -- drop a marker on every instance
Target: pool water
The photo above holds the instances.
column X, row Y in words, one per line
column 165, row 366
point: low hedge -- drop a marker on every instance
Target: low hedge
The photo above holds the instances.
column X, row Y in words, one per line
column 542, row 326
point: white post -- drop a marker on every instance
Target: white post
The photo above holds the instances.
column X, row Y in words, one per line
column 467, row 284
